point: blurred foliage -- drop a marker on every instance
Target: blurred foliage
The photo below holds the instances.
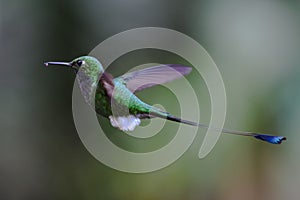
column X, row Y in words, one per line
column 255, row 45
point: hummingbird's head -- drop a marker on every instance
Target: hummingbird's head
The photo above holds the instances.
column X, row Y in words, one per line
column 88, row 70
column 86, row 64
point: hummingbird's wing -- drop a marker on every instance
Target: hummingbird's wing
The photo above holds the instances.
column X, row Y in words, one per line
column 145, row 78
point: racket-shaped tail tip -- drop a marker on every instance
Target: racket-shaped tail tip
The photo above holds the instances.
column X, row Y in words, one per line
column 270, row 138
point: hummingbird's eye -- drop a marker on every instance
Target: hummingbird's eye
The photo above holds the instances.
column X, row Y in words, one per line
column 79, row 63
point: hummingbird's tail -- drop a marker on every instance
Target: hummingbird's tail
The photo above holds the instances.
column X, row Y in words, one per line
column 267, row 138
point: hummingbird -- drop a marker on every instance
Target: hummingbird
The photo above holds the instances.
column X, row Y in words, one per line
column 115, row 99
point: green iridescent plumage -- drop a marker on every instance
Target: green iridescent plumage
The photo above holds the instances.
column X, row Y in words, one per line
column 114, row 98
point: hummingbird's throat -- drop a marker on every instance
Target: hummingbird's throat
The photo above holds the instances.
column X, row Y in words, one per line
column 87, row 86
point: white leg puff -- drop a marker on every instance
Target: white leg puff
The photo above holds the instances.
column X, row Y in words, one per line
column 124, row 123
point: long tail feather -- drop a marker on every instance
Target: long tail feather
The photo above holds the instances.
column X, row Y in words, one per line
column 264, row 137
column 270, row 138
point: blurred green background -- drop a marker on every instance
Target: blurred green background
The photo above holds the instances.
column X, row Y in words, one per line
column 256, row 46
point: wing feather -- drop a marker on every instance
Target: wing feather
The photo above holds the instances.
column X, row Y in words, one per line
column 145, row 78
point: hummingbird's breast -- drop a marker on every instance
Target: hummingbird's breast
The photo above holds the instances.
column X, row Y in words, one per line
column 102, row 101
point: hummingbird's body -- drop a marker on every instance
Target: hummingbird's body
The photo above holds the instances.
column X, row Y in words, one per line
column 114, row 98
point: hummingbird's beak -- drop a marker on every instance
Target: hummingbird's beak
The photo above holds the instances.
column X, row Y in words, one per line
column 58, row 63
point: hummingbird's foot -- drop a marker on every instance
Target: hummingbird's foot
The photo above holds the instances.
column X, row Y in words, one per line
column 125, row 123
